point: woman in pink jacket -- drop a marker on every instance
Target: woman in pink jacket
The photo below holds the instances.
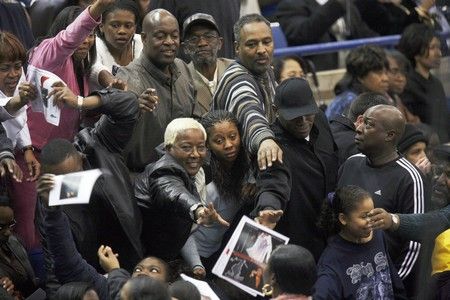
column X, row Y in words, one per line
column 67, row 53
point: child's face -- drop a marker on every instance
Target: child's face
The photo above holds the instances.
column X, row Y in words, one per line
column 356, row 225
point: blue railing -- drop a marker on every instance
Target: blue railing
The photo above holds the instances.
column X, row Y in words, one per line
column 384, row 41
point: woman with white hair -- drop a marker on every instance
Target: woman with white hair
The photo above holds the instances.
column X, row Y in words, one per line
column 166, row 191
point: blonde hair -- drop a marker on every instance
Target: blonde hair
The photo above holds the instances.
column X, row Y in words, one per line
column 177, row 126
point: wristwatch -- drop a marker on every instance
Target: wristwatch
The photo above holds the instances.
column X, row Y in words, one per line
column 80, row 101
column 192, row 210
column 395, row 222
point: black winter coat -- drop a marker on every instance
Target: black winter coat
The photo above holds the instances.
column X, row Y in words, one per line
column 312, row 168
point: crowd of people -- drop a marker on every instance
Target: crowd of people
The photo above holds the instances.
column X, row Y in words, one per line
column 194, row 125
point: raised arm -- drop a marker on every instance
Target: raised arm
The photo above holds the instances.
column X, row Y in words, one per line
column 69, row 266
column 52, row 52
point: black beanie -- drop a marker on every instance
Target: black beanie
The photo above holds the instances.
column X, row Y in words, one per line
column 411, row 136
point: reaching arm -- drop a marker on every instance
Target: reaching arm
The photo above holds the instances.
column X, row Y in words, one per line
column 69, row 265
column 167, row 192
column 119, row 107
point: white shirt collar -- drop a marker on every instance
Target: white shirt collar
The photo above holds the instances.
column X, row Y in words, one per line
column 211, row 84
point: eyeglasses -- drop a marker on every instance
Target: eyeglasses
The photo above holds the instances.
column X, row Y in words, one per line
column 209, row 37
column 397, row 72
column 10, row 225
column 188, row 149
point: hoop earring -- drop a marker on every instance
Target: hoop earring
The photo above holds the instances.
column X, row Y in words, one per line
column 267, row 290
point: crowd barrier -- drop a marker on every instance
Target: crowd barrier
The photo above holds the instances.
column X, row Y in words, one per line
column 328, row 79
column 282, row 49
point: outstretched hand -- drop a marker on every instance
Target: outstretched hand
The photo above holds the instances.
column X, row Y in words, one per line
column 9, row 165
column 33, row 165
column 63, row 95
column 118, row 84
column 148, row 100
column 199, row 272
column 7, row 284
column 208, row 215
column 108, row 259
column 269, row 152
column 269, row 217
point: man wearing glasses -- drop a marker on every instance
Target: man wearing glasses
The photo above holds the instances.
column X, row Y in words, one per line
column 202, row 42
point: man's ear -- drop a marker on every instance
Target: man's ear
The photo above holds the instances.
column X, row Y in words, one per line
column 236, row 47
column 390, row 135
column 359, row 120
column 220, row 42
column 342, row 219
column 143, row 37
column 100, row 27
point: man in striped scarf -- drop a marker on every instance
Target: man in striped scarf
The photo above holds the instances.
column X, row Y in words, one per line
column 247, row 88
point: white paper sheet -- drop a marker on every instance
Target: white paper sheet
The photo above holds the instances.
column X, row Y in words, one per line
column 43, row 80
column 73, row 188
column 203, row 287
column 245, row 256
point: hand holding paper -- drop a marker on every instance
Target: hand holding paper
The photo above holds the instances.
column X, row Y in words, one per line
column 43, row 101
column 63, row 95
column 27, row 92
column 73, row 188
column 45, row 183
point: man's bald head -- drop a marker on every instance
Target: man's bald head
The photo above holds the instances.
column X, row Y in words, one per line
column 154, row 17
column 391, row 118
column 380, row 130
column 161, row 38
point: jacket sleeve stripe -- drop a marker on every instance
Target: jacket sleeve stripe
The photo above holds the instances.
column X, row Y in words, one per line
column 414, row 247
